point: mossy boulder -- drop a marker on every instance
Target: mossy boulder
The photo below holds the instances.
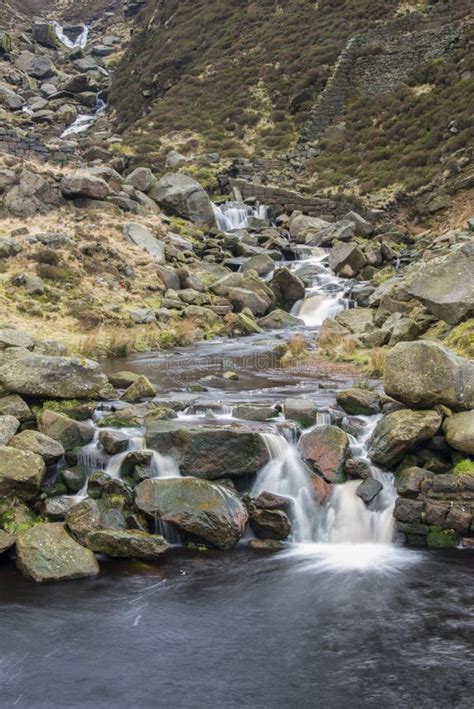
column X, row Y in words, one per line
column 459, row 432
column 46, row 552
column 128, row 544
column 208, row 512
column 209, row 451
column 108, row 512
column 359, row 402
column 68, row 432
column 400, row 432
column 21, row 473
column 141, row 388
column 50, row 450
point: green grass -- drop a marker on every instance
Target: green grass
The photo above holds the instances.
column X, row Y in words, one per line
column 464, row 467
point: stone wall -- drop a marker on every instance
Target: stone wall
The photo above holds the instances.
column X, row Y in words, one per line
column 31, row 147
column 313, row 206
column 381, row 59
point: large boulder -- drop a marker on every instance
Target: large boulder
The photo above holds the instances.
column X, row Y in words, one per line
column 44, row 33
column 422, row 374
column 38, row 66
column 207, row 511
column 181, row 195
column 143, row 238
column 66, row 431
column 82, row 184
column 459, row 432
column 287, row 287
column 128, row 544
column 9, row 337
column 359, row 402
column 46, row 552
column 326, row 448
column 278, row 320
column 36, row 442
column 346, row 259
column 91, row 515
column 21, row 473
column 209, row 451
column 9, row 425
column 270, row 524
column 301, row 410
column 445, row 285
column 400, row 432
column 51, row 377
column 32, row 194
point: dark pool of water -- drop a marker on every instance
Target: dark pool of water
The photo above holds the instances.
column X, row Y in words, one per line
column 239, row 630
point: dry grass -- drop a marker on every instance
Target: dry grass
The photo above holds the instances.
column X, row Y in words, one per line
column 375, row 366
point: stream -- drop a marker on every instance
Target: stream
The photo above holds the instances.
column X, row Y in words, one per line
column 343, row 617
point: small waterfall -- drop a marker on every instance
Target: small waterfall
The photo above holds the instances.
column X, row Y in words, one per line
column 235, row 215
column 92, row 458
column 164, row 466
column 286, row 475
column 84, row 120
column 323, row 418
column 323, row 300
column 80, row 41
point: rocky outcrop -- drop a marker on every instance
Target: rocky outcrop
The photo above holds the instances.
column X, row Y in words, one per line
column 422, row 374
column 208, row 512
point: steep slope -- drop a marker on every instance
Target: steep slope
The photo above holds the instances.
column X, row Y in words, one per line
column 236, row 75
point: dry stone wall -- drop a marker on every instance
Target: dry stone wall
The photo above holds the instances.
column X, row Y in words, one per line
column 32, row 147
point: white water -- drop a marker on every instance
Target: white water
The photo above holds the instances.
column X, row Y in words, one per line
column 80, row 41
column 232, row 215
column 345, row 519
column 325, row 299
column 84, row 121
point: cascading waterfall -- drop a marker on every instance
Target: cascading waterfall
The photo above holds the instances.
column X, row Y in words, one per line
column 85, row 120
column 80, row 41
column 234, row 215
column 323, row 300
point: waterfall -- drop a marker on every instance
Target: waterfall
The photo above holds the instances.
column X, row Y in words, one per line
column 325, row 299
column 84, row 120
column 235, row 215
column 80, row 41
column 286, row 475
column 345, row 519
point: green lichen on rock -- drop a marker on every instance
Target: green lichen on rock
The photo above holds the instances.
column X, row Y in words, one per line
column 439, row 538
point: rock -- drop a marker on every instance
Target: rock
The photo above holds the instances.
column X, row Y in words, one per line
column 142, row 316
column 301, row 410
column 82, row 184
column 9, row 425
column 175, row 159
column 209, row 512
column 55, row 509
column 279, row 320
column 254, row 412
column 322, row 490
column 441, row 538
column 242, row 299
column 359, row 402
column 409, row 481
column 209, row 452
column 44, row 33
column 47, row 448
column 141, row 179
column 357, row 320
column 46, row 552
column 31, row 195
column 14, row 405
column 369, row 489
column 358, row 468
column 404, row 330
column 271, row 501
column 400, row 432
column 362, row 226
column 346, row 259
column 37, row 65
column 70, row 433
column 113, row 442
column 423, row 374
column 181, row 195
column 21, row 473
column 52, row 377
column 287, row 287
column 143, row 238
column 74, row 480
column 260, row 263
column 7, row 541
column 444, row 285
column 325, row 449
column 302, row 226
column 122, row 380
column 459, row 432
column 10, row 337
column 408, row 510
column 459, row 518
column 128, row 544
column 141, row 388
column 270, row 524
column 91, row 515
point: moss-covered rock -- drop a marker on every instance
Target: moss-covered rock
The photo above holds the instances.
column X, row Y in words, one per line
column 130, row 544
column 439, row 538
column 21, row 473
